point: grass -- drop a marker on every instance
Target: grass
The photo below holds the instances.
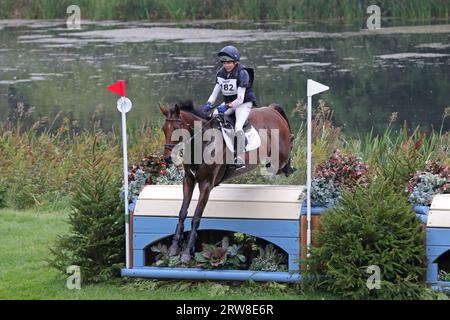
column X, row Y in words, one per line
column 216, row 9
column 24, row 247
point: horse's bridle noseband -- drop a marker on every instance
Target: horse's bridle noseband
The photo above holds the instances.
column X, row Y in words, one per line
column 170, row 146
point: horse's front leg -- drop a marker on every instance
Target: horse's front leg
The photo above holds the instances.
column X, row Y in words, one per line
column 205, row 190
column 188, row 189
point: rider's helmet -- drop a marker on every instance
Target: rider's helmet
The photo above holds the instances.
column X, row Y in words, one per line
column 229, row 53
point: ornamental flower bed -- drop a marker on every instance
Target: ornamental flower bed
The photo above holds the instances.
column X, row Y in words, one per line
column 151, row 170
column 234, row 251
column 425, row 184
column 339, row 172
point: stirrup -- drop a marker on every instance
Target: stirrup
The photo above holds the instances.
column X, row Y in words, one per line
column 239, row 163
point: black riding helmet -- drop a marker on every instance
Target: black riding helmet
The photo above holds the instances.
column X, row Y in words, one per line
column 229, row 53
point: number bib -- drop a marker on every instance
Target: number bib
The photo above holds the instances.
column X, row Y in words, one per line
column 228, row 86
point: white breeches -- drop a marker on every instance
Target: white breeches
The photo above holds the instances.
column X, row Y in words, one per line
column 242, row 112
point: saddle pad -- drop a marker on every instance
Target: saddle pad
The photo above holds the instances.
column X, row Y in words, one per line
column 253, row 138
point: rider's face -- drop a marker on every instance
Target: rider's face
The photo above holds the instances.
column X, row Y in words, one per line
column 229, row 65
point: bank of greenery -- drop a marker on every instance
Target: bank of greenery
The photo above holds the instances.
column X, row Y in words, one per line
column 45, row 168
column 40, row 167
column 223, row 9
column 25, row 274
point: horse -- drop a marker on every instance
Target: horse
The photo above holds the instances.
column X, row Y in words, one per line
column 182, row 116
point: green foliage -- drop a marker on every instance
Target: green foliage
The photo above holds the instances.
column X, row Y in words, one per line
column 216, row 289
column 222, row 255
column 40, row 167
column 444, row 276
column 340, row 172
column 152, row 170
column 24, row 276
column 269, row 259
column 372, row 226
column 398, row 156
column 402, row 163
column 220, row 9
column 95, row 242
column 170, row 175
column 426, row 188
column 324, row 192
column 425, row 184
column 3, row 189
column 163, row 259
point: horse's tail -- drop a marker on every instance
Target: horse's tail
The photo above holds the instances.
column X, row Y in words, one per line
column 287, row 169
column 280, row 110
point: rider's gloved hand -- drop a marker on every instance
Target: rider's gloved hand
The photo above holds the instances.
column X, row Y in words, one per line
column 222, row 108
column 207, row 106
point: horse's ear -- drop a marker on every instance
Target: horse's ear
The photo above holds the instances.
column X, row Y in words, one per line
column 177, row 110
column 163, row 110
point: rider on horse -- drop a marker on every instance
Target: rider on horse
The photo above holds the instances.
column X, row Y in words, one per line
column 235, row 82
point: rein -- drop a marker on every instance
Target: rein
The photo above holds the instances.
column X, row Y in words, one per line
column 170, row 146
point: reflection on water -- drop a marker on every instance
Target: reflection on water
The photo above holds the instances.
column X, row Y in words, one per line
column 371, row 73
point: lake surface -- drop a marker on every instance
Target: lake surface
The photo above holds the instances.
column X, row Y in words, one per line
column 404, row 69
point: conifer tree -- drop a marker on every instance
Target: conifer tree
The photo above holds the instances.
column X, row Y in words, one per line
column 95, row 241
column 373, row 227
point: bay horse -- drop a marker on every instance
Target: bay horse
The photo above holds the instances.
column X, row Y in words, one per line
column 208, row 176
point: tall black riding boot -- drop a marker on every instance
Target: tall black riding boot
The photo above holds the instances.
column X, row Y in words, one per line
column 239, row 149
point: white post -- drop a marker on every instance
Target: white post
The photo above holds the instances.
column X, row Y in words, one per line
column 312, row 89
column 125, row 177
column 124, row 105
column 308, row 178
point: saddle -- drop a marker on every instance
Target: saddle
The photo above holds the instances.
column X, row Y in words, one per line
column 225, row 123
column 229, row 121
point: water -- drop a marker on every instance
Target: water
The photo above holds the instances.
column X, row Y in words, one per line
column 371, row 73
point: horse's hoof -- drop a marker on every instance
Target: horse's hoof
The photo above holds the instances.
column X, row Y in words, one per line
column 185, row 257
column 174, row 250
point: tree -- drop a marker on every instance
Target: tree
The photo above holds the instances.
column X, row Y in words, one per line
column 96, row 239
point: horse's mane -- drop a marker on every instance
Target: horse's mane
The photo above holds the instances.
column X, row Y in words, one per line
column 188, row 106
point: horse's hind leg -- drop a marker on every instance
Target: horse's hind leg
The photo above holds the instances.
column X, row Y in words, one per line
column 288, row 169
column 188, row 189
column 205, row 189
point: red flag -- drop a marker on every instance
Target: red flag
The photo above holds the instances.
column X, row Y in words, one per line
column 118, row 87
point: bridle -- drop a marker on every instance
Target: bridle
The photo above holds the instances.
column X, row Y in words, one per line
column 170, row 146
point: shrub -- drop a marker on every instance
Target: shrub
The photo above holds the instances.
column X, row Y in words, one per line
column 404, row 157
column 170, row 175
column 340, row 172
column 96, row 239
column 324, row 192
column 373, row 225
column 425, row 184
column 152, row 170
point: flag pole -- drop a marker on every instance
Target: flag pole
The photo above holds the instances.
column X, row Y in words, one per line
column 124, row 105
column 313, row 88
column 125, row 179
